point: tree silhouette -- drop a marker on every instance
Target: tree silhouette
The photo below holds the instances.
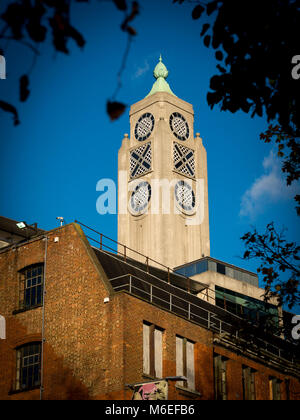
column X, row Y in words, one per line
column 254, row 42
column 28, row 22
column 277, row 256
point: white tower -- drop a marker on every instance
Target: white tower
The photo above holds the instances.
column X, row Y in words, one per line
column 163, row 198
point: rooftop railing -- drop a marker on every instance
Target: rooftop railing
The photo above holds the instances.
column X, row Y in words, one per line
column 106, row 243
column 182, row 305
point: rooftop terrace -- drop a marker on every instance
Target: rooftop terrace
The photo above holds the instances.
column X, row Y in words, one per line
column 210, row 264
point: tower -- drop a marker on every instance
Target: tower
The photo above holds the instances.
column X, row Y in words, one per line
column 163, row 197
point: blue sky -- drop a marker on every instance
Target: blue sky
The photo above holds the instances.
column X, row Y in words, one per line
column 50, row 164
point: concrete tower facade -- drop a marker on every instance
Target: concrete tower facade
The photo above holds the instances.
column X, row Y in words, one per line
column 163, row 194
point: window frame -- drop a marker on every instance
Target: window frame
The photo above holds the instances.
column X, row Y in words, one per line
column 187, row 368
column 220, row 376
column 275, row 388
column 22, row 367
column 32, row 294
column 154, row 367
column 248, row 380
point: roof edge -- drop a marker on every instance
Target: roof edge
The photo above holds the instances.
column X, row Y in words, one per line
column 93, row 258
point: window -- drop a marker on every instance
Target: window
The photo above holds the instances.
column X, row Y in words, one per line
column 185, row 362
column 31, row 286
column 220, row 363
column 2, row 328
column 220, row 268
column 274, row 387
column 184, row 160
column 287, row 389
column 248, row 384
column 140, row 160
column 28, row 366
column 152, row 350
column 244, row 306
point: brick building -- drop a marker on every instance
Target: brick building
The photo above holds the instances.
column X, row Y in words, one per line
column 91, row 330
column 83, row 321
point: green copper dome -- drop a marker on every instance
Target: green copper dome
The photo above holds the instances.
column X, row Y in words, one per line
column 160, row 85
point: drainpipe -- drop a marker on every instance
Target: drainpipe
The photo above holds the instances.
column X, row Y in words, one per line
column 43, row 320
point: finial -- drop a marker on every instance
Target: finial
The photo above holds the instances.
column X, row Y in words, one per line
column 160, row 73
column 160, row 70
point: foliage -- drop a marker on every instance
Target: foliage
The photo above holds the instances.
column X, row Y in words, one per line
column 277, row 256
column 28, row 22
column 255, row 42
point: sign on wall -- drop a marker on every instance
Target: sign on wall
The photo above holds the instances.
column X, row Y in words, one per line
column 151, row 391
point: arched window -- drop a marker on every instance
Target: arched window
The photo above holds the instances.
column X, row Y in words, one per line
column 28, row 366
column 31, row 286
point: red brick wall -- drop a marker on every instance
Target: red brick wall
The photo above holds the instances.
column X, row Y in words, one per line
column 75, row 328
column 262, row 374
column 136, row 311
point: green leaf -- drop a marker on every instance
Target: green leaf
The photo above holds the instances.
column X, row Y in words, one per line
column 219, row 55
column 24, row 91
column 205, row 27
column 197, row 11
column 206, row 40
column 211, row 7
column 121, row 4
column 115, row 109
column 10, row 108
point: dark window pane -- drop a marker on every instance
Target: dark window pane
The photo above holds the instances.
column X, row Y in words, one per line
column 30, row 370
column 27, row 297
column 33, row 295
column 220, row 268
column 24, row 377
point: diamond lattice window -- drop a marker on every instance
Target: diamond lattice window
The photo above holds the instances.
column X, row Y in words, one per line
column 184, row 160
column 140, row 160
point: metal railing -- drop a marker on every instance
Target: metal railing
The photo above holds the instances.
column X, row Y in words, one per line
column 182, row 306
column 187, row 309
column 148, row 261
column 207, row 294
column 101, row 242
